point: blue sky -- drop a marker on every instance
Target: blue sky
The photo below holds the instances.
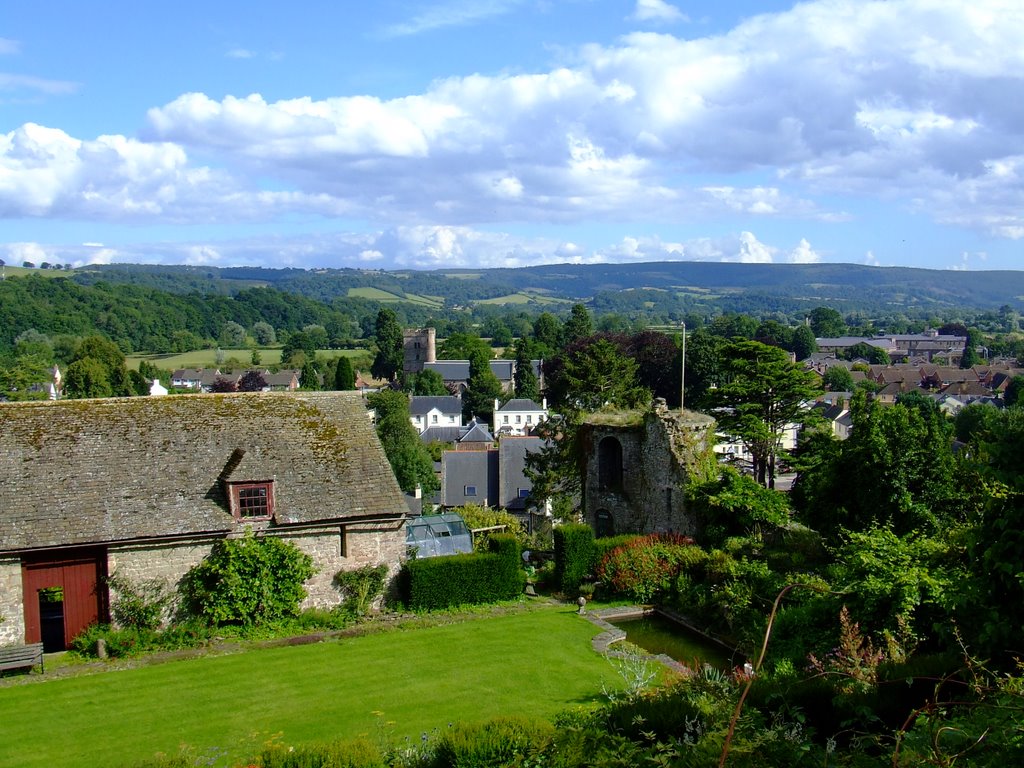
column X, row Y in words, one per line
column 466, row 133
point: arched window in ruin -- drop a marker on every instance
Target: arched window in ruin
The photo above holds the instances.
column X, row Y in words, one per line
column 609, row 464
column 604, row 525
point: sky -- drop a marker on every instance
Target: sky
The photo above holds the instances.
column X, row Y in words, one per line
column 483, row 133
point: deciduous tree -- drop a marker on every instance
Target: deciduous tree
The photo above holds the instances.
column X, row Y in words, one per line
column 429, row 383
column 827, row 322
column 462, row 346
column 252, row 381
column 232, row 335
column 263, row 333
column 409, row 458
column 803, row 344
column 837, row 379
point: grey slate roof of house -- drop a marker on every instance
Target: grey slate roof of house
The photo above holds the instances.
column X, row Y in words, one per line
column 458, row 370
column 462, row 469
column 281, row 378
column 421, row 405
column 511, row 469
column 76, row 472
column 442, row 434
column 477, row 433
column 521, row 404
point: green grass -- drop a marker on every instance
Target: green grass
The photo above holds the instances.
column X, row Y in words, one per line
column 406, row 682
column 11, row 271
column 524, row 298
column 379, row 294
column 206, row 358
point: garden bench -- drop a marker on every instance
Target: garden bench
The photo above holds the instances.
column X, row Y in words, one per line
column 18, row 656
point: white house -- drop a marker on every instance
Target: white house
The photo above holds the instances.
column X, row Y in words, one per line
column 518, row 416
column 435, row 411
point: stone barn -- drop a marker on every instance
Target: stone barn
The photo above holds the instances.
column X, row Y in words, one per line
column 636, row 467
column 143, row 487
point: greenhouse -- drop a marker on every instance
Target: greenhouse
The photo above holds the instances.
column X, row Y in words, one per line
column 434, row 535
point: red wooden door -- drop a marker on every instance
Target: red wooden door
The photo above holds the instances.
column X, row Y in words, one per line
column 80, row 575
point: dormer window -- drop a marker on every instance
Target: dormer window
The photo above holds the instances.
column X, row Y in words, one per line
column 252, row 501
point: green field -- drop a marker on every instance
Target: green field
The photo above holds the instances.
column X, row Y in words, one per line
column 10, row 271
column 207, row 358
column 378, row 294
column 524, row 298
column 405, row 682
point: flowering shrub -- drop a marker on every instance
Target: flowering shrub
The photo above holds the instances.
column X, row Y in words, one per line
column 646, row 566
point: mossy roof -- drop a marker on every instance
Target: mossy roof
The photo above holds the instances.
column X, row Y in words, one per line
column 89, row 471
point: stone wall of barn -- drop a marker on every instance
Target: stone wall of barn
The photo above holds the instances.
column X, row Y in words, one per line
column 350, row 547
column 333, row 548
column 12, row 628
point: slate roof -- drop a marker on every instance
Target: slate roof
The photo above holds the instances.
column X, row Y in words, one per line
column 458, row 370
column 469, row 468
column 521, row 404
column 442, row 434
column 476, row 433
column 512, row 469
column 421, row 405
column 76, row 472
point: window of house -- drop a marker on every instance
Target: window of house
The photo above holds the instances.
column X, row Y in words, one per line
column 433, row 419
column 252, row 501
column 519, row 419
column 529, row 418
column 524, row 493
column 470, row 490
column 504, row 419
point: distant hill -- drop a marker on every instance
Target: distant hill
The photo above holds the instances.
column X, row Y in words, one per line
column 685, row 286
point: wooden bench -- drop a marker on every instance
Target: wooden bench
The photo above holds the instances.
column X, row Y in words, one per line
column 18, row 656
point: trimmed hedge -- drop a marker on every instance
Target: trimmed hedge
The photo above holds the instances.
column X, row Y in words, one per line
column 574, row 555
column 442, row 582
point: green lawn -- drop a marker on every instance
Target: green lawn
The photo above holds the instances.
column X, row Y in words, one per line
column 404, row 682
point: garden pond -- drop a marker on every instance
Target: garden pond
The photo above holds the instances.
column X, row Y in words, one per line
column 659, row 634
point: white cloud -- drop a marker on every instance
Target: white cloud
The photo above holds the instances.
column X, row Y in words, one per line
column 239, row 53
column 657, row 11
column 17, row 253
column 9, row 47
column 9, row 82
column 803, row 254
column 453, row 13
column 408, row 247
column 753, row 251
column 910, row 102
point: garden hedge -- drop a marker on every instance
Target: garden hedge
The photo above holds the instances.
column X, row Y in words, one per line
column 442, row 582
